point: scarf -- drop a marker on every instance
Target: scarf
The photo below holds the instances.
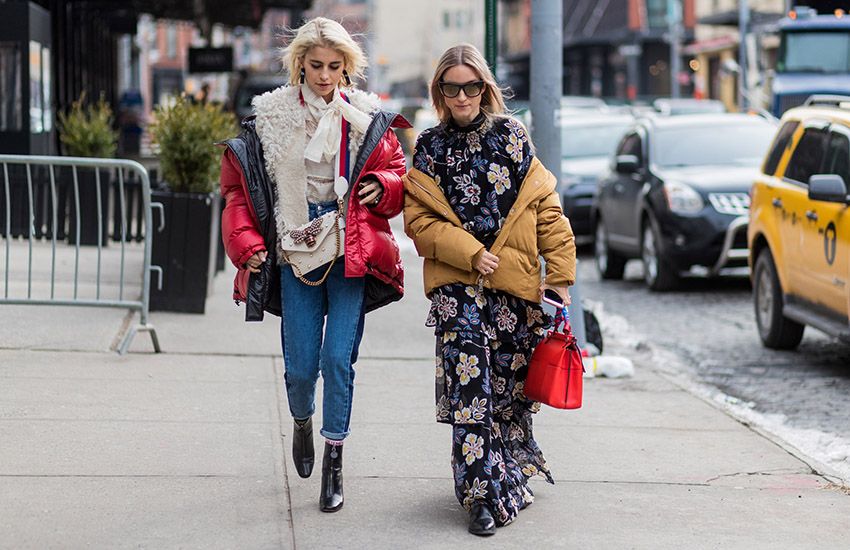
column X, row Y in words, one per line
column 324, row 145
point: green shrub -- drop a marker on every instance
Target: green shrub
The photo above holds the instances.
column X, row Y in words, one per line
column 86, row 131
column 186, row 133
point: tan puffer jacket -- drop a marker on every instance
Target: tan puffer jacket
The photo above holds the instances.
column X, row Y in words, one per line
column 535, row 226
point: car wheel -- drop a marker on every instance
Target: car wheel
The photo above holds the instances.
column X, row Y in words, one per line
column 657, row 272
column 610, row 264
column 775, row 330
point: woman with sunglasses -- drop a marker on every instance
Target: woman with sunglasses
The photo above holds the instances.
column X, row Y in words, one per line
column 481, row 209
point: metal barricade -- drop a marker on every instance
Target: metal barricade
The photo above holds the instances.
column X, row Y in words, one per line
column 45, row 201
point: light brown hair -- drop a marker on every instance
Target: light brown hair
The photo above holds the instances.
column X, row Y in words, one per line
column 492, row 101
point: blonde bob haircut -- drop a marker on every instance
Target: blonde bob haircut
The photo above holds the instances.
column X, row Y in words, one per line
column 327, row 33
column 492, row 101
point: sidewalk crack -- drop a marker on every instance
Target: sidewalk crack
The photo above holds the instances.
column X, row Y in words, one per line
column 777, row 471
column 278, row 376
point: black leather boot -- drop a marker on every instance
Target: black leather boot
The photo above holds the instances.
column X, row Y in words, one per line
column 330, row 499
column 303, row 452
column 481, row 520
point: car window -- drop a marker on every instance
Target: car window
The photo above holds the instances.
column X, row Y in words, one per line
column 591, row 141
column 738, row 142
column 621, row 147
column 838, row 156
column 808, row 155
column 783, row 138
column 631, row 145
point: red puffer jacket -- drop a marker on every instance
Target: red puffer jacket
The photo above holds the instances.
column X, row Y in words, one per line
column 370, row 249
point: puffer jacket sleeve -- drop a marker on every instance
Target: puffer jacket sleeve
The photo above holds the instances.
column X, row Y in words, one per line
column 436, row 238
column 392, row 201
column 556, row 241
column 238, row 227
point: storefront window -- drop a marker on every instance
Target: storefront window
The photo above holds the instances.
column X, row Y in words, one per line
column 36, row 99
column 171, row 41
column 656, row 12
column 10, row 88
column 45, row 94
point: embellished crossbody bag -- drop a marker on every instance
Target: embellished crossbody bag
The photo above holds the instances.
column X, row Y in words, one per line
column 315, row 244
column 322, row 240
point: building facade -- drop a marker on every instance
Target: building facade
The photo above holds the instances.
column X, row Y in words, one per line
column 614, row 49
column 94, row 48
column 716, row 48
column 407, row 39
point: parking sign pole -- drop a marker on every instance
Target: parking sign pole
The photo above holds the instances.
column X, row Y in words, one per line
column 547, row 69
column 577, row 314
column 674, row 21
column 491, row 34
column 743, row 62
column 546, row 80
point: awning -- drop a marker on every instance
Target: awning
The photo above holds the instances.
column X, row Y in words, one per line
column 711, row 45
column 730, row 18
column 231, row 13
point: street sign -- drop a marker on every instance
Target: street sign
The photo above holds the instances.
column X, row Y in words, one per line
column 211, row 60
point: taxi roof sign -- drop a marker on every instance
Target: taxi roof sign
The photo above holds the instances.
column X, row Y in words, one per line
column 838, row 101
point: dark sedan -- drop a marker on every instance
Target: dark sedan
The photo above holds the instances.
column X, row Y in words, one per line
column 587, row 143
column 677, row 196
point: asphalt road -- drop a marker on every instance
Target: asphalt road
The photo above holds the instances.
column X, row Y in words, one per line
column 709, row 327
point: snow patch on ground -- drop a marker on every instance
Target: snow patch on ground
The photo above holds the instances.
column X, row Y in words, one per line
column 615, row 327
column 829, row 449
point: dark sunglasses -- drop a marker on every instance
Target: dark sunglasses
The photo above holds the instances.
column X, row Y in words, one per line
column 470, row 89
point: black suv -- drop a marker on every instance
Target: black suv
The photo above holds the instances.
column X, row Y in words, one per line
column 677, row 196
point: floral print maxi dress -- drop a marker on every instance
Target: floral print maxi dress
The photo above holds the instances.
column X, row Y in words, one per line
column 485, row 337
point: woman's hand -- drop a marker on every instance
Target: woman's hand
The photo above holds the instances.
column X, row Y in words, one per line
column 562, row 291
column 486, row 263
column 254, row 262
column 370, row 192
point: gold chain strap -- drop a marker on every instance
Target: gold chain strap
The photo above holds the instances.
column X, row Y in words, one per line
column 324, row 278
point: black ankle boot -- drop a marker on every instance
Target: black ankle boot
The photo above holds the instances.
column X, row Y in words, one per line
column 481, row 520
column 330, row 499
column 302, row 447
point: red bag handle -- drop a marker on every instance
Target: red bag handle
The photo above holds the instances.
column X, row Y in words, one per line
column 563, row 316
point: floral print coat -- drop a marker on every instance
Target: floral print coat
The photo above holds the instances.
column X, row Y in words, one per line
column 451, row 217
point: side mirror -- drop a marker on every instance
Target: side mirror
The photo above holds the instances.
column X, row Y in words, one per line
column 627, row 164
column 828, row 188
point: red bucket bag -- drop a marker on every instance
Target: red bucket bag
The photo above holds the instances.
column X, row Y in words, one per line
column 555, row 370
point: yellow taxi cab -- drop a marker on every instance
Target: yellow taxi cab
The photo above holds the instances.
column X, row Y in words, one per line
column 799, row 230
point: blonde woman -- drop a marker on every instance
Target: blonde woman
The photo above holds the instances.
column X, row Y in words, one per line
column 481, row 209
column 307, row 145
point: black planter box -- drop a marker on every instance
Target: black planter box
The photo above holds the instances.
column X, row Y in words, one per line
column 184, row 250
column 17, row 208
column 220, row 254
column 87, row 184
column 41, row 200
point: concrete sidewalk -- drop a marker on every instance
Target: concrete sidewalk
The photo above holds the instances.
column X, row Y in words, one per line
column 190, row 449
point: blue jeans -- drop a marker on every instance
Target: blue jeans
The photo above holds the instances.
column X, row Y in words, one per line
column 306, row 353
